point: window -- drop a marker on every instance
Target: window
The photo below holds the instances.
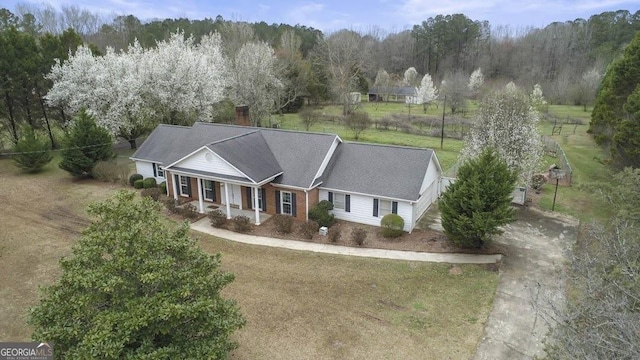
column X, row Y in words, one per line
column 159, row 170
column 338, row 201
column 384, row 208
column 184, row 186
column 209, row 191
column 286, row 203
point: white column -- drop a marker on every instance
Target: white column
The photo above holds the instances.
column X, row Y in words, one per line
column 306, row 201
column 200, row 202
column 234, row 196
column 226, row 199
column 255, row 202
column 175, row 187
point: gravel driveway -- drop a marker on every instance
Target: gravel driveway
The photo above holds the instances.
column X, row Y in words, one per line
column 537, row 251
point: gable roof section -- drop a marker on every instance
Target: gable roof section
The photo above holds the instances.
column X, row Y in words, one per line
column 250, row 154
column 259, row 151
column 160, row 143
column 381, row 170
column 299, row 154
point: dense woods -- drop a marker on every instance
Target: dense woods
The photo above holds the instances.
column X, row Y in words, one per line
column 566, row 59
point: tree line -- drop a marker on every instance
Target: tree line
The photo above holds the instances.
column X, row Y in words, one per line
column 565, row 59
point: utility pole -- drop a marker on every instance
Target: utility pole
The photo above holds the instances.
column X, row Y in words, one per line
column 444, row 109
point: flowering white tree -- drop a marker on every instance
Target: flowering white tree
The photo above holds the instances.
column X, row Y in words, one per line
column 537, row 99
column 186, row 79
column 588, row 87
column 506, row 121
column 476, row 80
column 129, row 91
column 382, row 84
column 254, row 81
column 427, row 92
column 410, row 76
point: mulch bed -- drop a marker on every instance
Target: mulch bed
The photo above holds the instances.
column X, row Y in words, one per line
column 418, row 240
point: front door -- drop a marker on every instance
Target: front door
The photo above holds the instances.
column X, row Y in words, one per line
column 235, row 194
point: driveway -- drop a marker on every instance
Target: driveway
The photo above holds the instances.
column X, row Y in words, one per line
column 538, row 245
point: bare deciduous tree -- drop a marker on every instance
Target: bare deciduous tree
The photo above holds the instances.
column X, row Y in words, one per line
column 344, row 57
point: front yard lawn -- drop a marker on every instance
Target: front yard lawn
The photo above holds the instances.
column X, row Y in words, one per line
column 297, row 305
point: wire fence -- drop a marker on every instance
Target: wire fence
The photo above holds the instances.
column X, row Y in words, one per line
column 553, row 149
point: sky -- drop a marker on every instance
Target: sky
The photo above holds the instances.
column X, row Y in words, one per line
column 331, row 15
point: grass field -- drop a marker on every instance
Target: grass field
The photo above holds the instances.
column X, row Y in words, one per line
column 297, row 305
column 586, row 158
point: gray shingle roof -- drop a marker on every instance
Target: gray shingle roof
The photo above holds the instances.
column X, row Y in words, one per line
column 161, row 143
column 250, row 154
column 297, row 154
column 382, row 170
column 394, row 90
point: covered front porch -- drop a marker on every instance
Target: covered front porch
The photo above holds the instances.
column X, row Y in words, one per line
column 232, row 196
column 208, row 206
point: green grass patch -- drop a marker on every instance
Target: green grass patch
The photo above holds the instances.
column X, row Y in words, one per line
column 447, row 155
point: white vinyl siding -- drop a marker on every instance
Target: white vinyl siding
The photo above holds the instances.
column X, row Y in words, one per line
column 145, row 169
column 361, row 210
column 209, row 163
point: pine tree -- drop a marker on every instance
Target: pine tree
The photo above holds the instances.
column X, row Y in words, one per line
column 84, row 145
column 478, row 203
column 615, row 121
column 32, row 153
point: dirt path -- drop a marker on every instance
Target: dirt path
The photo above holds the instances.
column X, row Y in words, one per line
column 537, row 247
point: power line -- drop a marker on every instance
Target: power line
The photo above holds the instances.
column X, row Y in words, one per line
column 53, row 150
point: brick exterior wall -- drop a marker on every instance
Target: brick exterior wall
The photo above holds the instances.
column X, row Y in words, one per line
column 270, row 191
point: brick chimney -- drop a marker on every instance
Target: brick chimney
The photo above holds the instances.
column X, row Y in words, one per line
column 242, row 115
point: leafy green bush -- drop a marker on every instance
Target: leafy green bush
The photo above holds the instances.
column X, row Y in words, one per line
column 218, row 218
column 334, row 234
column 32, row 153
column 153, row 193
column 150, row 183
column 320, row 213
column 134, row 177
column 309, row 228
column 138, row 184
column 241, row 223
column 392, row 225
column 163, row 187
column 283, row 223
column 359, row 235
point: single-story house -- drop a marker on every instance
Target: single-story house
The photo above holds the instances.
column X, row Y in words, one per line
column 393, row 93
column 287, row 172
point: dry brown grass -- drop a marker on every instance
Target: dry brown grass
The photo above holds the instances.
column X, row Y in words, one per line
column 297, row 305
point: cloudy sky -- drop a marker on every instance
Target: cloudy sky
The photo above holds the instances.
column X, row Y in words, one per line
column 327, row 15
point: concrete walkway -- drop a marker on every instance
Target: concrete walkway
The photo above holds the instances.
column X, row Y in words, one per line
column 204, row 227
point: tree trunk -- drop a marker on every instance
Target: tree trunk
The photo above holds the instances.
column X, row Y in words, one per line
column 12, row 120
column 132, row 143
column 46, row 120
